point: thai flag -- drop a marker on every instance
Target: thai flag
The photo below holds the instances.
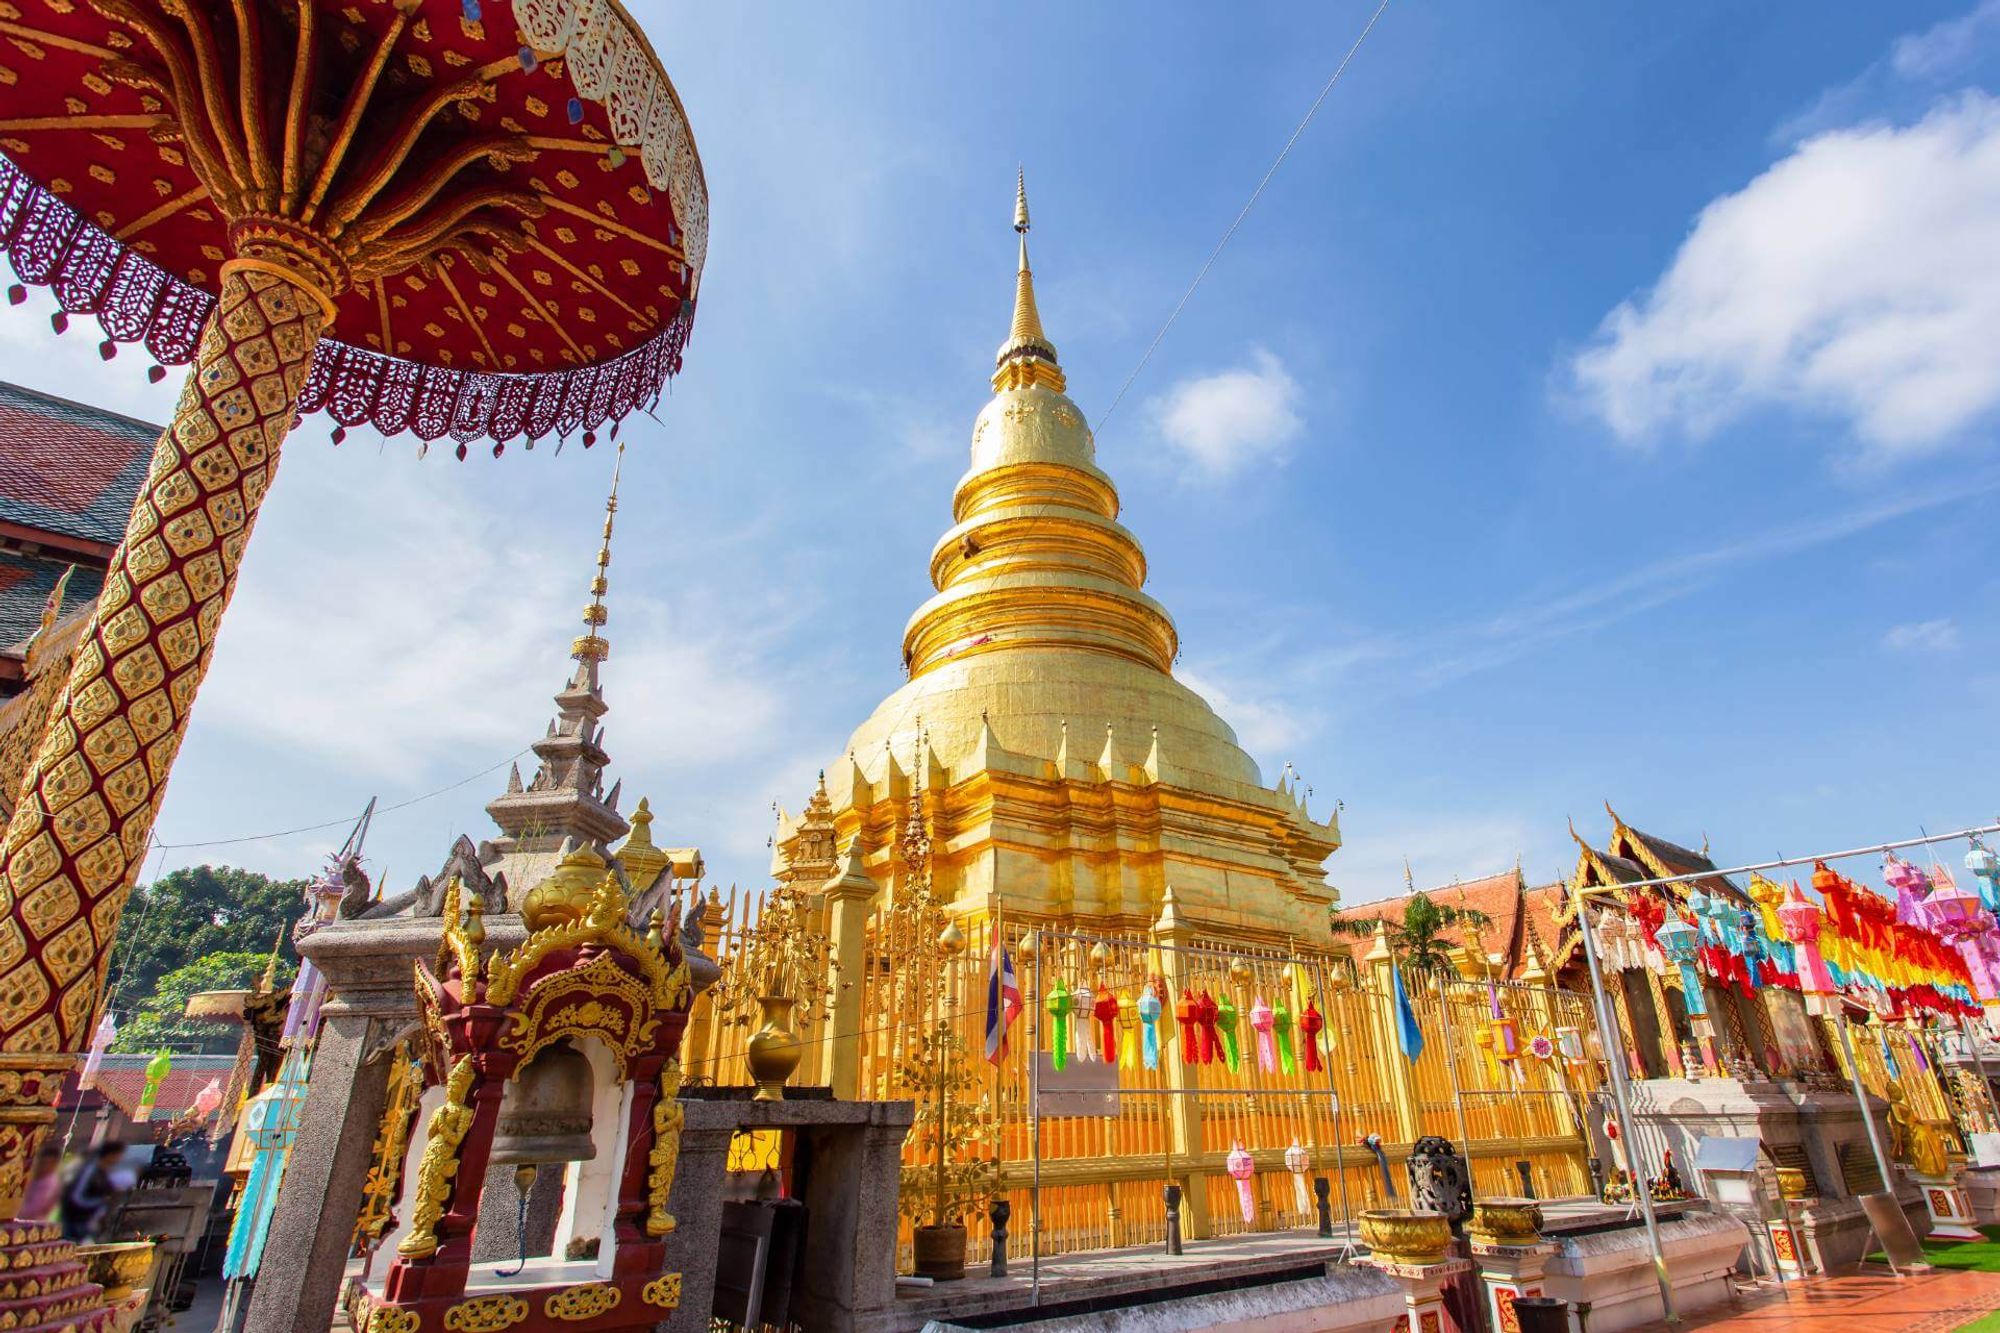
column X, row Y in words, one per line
column 1003, row 1002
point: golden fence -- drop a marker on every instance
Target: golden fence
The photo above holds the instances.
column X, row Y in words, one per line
column 1101, row 1176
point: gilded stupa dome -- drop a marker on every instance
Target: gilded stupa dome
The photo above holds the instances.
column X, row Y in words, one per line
column 1040, row 629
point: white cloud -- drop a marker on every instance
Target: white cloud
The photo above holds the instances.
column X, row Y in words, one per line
column 1858, row 278
column 1922, row 636
column 1222, row 422
column 1947, row 48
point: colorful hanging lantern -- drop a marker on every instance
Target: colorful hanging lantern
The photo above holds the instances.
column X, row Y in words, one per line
column 1128, row 1032
column 1226, row 1020
column 1310, row 1024
column 1206, row 1014
column 1150, row 1009
column 100, row 1042
column 1541, row 1047
column 157, row 1070
column 1242, row 1166
column 1985, row 868
column 1263, row 1020
column 207, row 1099
column 1281, row 1024
column 1298, row 1161
column 1082, row 1003
column 1680, row 941
column 1569, row 1041
column 1058, row 1007
column 1106, row 1012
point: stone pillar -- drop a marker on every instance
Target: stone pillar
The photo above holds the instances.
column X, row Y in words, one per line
column 1423, row 1291
column 1507, row 1247
column 849, row 901
column 1388, row 1054
column 696, row 1203
column 1950, row 1210
column 321, row 1192
column 1183, row 1113
column 851, row 1237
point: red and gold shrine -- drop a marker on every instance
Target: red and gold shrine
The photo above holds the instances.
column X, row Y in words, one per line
column 561, row 1054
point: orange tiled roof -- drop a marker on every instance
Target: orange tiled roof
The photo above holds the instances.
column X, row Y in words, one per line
column 1502, row 897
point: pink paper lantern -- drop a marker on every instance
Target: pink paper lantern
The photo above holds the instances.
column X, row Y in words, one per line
column 1242, row 1166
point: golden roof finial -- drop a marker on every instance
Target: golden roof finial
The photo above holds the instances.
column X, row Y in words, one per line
column 1027, row 356
column 592, row 646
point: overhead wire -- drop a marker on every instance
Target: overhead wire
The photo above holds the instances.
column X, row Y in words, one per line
column 1251, row 203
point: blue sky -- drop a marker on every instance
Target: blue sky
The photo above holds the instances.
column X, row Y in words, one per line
column 1600, row 403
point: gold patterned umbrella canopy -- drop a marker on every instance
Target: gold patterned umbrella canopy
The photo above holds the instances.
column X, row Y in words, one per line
column 464, row 219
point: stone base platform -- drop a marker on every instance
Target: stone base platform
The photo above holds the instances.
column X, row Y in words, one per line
column 1612, row 1270
column 1276, row 1282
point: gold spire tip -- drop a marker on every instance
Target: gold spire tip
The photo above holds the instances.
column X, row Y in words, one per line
column 592, row 646
column 1021, row 199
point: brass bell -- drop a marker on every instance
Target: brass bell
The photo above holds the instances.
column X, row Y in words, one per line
column 545, row 1115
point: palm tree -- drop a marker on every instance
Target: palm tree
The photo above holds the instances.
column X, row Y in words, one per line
column 1418, row 941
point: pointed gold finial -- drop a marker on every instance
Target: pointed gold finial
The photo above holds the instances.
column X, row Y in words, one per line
column 591, row 646
column 1027, row 357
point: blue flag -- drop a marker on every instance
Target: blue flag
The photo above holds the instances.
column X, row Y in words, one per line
column 1408, row 1035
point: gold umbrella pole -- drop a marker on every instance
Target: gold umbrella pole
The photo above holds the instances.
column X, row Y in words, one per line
column 87, row 801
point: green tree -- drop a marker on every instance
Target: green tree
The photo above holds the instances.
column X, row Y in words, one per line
column 1418, row 941
column 194, row 914
column 158, row 1021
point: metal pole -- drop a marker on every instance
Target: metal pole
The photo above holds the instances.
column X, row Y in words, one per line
column 1965, row 1029
column 1608, row 1038
column 1451, row 1068
column 1339, row 1136
column 1861, row 1095
column 1035, row 1121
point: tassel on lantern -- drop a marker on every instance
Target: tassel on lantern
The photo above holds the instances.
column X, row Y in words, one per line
column 1188, row 1011
column 1263, row 1020
column 1225, row 1031
column 1281, row 1022
column 1150, row 1009
column 1243, row 1167
column 1058, row 1007
column 1081, row 1003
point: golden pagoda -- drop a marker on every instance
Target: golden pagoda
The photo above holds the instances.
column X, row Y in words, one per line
column 1062, row 772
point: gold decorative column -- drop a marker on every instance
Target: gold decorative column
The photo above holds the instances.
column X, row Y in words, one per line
column 849, row 900
column 88, row 799
column 1183, row 1113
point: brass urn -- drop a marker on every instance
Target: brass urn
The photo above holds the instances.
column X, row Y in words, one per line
column 774, row 1050
column 1405, row 1235
column 1506, row 1222
column 117, row 1267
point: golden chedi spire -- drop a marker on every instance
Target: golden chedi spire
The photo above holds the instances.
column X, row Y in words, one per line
column 1040, row 614
column 591, row 646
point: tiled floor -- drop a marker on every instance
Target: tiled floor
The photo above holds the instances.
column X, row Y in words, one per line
column 1868, row 1301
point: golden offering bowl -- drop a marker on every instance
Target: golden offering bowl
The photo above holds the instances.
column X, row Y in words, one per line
column 117, row 1267
column 1406, row 1236
column 1506, row 1222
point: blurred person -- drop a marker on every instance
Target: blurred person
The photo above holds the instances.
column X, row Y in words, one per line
column 90, row 1192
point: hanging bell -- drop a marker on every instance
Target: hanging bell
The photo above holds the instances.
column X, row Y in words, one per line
column 545, row 1116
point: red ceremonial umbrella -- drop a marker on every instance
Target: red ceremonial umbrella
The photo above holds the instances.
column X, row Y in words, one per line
column 463, row 220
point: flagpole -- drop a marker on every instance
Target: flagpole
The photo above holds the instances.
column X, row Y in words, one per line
column 1451, row 1069
column 1609, row 1039
column 1034, row 1006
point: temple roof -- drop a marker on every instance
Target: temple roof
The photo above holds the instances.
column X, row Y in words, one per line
column 67, row 470
column 1520, row 918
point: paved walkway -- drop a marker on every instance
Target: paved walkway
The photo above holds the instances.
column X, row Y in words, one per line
column 1870, row 1300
